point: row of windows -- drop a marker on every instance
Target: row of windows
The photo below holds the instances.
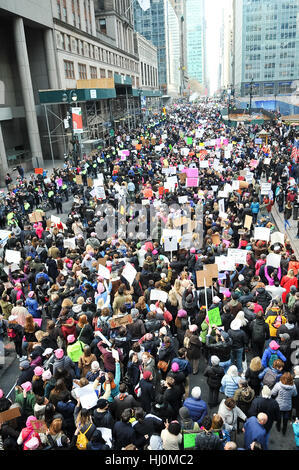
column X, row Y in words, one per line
column 69, row 72
column 77, row 46
column 149, row 75
column 283, row 55
column 76, row 19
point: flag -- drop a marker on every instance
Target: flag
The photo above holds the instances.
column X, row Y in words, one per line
column 144, row 4
column 295, row 151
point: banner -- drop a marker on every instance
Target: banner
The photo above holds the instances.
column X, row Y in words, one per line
column 77, row 120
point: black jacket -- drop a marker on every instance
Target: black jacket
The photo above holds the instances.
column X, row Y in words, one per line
column 239, row 338
column 263, row 297
column 103, row 420
column 214, row 375
column 222, row 349
column 268, row 406
column 123, row 435
column 259, row 330
column 147, row 394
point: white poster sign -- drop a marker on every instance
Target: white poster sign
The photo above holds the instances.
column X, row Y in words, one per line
column 262, row 233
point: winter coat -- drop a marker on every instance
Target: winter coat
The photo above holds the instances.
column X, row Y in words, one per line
column 194, row 348
column 221, row 349
column 64, row 363
column 259, row 330
column 239, row 337
column 197, row 407
column 263, row 297
column 284, row 394
column 254, row 431
column 147, row 394
column 268, row 406
column 214, row 375
column 267, row 354
column 230, row 384
column 32, row 306
column 270, row 320
column 207, row 441
column 243, row 397
column 229, row 416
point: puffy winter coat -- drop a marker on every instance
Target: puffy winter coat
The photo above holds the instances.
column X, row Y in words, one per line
column 284, row 394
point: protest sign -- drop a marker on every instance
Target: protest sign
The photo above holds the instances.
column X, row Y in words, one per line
column 277, row 237
column 183, row 199
column 9, row 414
column 129, row 273
column 87, row 395
column 13, row 256
column 248, row 221
column 120, row 320
column 69, row 243
column 262, row 233
column 265, row 188
column 103, row 272
column 273, row 260
column 203, row 278
column 225, row 263
column 100, row 192
column 157, row 294
column 192, row 182
column 90, row 182
column 170, row 244
column 239, row 256
column 235, row 185
column 39, row 426
column 79, row 179
column 216, row 239
column 214, row 317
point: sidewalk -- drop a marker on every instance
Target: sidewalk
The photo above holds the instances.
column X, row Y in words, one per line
column 48, row 165
column 290, row 232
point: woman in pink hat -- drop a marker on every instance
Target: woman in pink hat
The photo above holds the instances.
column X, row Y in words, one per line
column 28, row 437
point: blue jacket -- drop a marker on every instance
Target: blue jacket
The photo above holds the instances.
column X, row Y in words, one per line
column 184, row 365
column 32, row 306
column 267, row 354
column 254, row 431
column 197, row 408
column 255, row 207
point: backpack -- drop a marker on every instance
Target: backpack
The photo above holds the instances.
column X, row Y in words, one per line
column 11, row 333
column 258, row 331
column 273, row 358
column 82, row 440
column 270, row 378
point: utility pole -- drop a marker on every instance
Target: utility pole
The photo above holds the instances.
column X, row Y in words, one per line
column 250, row 95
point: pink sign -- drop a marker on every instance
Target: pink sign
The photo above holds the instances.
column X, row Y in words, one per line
column 59, row 182
column 192, row 182
column 38, row 321
column 192, row 173
column 126, row 153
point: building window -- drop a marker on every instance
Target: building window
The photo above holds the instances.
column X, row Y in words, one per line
column 69, row 69
column 110, row 74
column 64, row 11
column 103, row 26
column 58, row 9
column 67, row 42
column 102, row 73
column 93, row 72
column 82, row 71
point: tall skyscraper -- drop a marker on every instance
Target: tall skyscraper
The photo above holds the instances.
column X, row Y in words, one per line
column 196, row 38
column 266, row 47
column 160, row 25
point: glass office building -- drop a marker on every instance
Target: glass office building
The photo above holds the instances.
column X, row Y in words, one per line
column 195, row 32
column 266, row 46
column 160, row 25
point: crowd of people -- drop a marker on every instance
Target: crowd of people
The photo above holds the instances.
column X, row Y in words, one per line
column 134, row 348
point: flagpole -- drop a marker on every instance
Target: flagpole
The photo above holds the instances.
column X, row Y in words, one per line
column 131, row 4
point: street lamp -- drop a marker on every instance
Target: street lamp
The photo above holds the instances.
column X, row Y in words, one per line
column 250, row 95
column 70, row 97
column 141, row 114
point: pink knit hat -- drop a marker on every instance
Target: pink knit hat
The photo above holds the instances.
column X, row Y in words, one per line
column 38, row 371
column 274, row 345
column 27, row 386
column 71, row 338
column 175, row 367
column 1, row 393
column 182, row 313
column 193, row 328
column 59, row 353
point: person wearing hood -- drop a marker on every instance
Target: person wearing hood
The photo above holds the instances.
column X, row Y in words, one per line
column 187, row 424
column 189, row 302
column 283, row 391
